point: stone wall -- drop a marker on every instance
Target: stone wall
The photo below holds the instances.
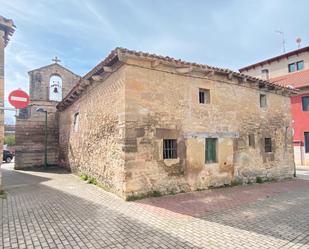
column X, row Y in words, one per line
column 163, row 105
column 30, row 136
column 93, row 146
column 30, row 124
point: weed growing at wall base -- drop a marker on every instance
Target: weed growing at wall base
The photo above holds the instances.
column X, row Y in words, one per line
column 83, row 177
column 2, row 194
column 154, row 193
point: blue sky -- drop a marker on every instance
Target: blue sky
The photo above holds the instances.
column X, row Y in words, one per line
column 227, row 34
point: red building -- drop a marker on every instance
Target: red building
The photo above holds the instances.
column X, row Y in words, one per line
column 300, row 113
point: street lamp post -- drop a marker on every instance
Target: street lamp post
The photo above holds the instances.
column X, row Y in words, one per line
column 40, row 109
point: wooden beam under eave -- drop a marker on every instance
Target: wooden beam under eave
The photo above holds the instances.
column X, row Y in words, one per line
column 242, row 80
column 78, row 92
column 97, row 77
column 71, row 97
column 230, row 76
column 270, row 87
column 155, row 63
column 108, row 69
column 85, row 83
column 261, row 84
column 210, row 73
column 184, row 70
column 81, row 87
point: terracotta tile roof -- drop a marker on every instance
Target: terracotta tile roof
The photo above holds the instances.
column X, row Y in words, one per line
column 118, row 53
column 297, row 80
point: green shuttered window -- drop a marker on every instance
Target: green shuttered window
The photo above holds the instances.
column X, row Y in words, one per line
column 211, row 150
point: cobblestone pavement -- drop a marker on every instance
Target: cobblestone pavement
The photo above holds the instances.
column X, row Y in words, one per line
column 54, row 209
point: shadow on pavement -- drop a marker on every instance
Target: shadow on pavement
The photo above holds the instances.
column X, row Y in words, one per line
column 60, row 217
column 14, row 178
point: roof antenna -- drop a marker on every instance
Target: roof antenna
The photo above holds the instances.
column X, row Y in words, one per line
column 298, row 40
column 283, row 40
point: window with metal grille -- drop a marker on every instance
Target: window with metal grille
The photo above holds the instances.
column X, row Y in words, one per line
column 268, row 145
column 169, row 148
column 211, row 150
column 204, row 96
column 251, row 140
column 263, row 100
column 305, row 103
column 307, row 142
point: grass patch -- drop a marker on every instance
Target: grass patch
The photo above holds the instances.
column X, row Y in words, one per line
column 236, row 183
column 154, row 193
column 89, row 179
column 259, row 179
column 3, row 194
column 83, row 177
column 92, row 180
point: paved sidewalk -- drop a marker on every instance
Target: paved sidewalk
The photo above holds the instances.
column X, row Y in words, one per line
column 57, row 210
column 302, row 172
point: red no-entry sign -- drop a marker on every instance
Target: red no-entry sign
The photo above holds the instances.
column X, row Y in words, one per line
column 19, row 99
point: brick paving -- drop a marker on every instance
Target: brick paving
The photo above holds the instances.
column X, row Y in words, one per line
column 54, row 209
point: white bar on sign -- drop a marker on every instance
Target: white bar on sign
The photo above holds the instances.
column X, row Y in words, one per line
column 19, row 98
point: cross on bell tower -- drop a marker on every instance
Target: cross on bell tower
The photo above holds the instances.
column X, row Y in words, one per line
column 56, row 60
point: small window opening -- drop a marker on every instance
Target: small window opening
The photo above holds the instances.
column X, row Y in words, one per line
column 76, row 121
column 169, row 148
column 204, row 96
column 265, row 74
column 263, row 100
column 268, row 144
column 251, row 140
column 211, row 150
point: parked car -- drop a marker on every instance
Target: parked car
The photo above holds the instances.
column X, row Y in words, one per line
column 7, row 156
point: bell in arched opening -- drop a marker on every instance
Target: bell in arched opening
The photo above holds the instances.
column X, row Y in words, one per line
column 55, row 88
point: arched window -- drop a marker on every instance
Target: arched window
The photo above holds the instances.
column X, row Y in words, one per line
column 55, row 88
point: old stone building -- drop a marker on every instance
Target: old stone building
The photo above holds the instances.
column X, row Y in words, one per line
column 48, row 85
column 139, row 123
